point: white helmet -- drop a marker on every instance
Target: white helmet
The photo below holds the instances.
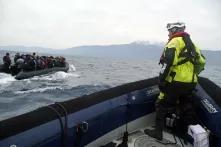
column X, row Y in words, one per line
column 177, row 25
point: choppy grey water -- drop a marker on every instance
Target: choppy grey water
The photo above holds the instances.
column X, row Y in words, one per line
column 86, row 75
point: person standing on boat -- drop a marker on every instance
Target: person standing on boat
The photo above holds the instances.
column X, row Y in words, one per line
column 178, row 77
column 7, row 62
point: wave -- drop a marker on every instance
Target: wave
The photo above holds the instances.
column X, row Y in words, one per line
column 38, row 90
column 6, row 78
column 57, row 76
column 5, row 81
column 8, row 84
column 72, row 91
column 71, row 68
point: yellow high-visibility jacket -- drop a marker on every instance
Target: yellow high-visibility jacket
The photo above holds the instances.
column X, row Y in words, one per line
column 182, row 72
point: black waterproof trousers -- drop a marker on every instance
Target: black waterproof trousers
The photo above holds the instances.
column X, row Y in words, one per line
column 177, row 96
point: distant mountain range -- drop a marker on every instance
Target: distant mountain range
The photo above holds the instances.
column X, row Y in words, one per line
column 143, row 50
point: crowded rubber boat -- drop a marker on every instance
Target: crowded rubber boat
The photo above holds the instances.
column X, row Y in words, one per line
column 27, row 65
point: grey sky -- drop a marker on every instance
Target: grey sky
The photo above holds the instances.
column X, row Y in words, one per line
column 68, row 23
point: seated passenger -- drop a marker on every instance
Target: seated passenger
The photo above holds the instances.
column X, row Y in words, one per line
column 62, row 61
column 34, row 55
column 17, row 56
column 56, row 62
column 20, row 63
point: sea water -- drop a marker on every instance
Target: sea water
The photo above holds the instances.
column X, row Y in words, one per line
column 86, row 75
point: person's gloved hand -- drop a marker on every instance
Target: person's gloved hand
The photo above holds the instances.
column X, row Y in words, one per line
column 162, row 86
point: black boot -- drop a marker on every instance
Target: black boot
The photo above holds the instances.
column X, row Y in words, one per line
column 155, row 133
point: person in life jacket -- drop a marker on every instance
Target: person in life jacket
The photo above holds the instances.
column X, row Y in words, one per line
column 7, row 62
column 181, row 62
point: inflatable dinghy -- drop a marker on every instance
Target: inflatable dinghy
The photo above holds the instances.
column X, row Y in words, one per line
column 19, row 75
column 28, row 74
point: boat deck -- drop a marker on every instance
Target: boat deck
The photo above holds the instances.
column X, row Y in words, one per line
column 140, row 139
column 137, row 137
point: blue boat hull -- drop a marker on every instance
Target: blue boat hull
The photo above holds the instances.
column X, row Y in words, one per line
column 59, row 124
